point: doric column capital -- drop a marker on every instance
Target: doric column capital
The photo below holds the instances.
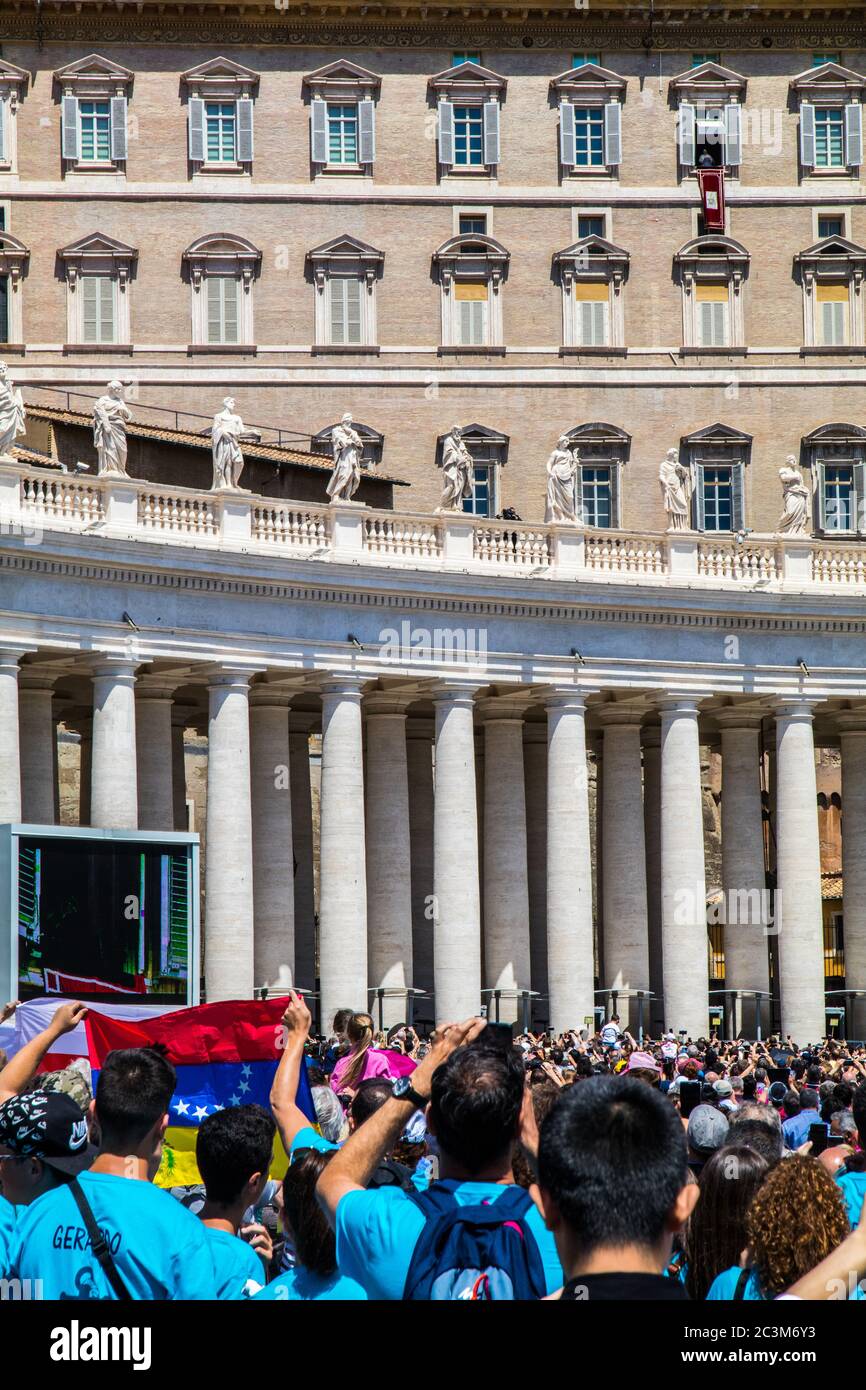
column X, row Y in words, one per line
column 566, row 697
column 621, row 714
column 37, row 679
column 852, row 721
column 417, row 727
column 343, row 688
column 386, row 703
column 795, row 709
column 509, row 709
column 118, row 669
column 455, row 693
column 10, row 657
column 237, row 677
column 675, row 706
column 734, row 717
column 269, row 696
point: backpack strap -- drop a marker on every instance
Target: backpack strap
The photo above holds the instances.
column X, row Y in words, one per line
column 98, row 1243
column 740, row 1291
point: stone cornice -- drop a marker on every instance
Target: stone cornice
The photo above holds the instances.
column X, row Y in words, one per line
column 654, row 606
column 529, row 28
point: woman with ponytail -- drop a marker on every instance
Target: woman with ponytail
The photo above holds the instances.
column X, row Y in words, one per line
column 362, row 1060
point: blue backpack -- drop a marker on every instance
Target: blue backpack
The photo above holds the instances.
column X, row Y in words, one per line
column 476, row 1253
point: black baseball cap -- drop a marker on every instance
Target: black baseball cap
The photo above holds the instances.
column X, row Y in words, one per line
column 47, row 1125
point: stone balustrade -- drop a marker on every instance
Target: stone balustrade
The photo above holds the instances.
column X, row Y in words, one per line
column 35, row 500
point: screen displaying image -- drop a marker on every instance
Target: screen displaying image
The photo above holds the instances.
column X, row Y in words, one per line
column 101, row 920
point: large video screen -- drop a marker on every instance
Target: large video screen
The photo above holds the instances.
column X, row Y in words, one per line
column 102, row 920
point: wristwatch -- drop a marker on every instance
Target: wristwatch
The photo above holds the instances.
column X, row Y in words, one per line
column 403, row 1090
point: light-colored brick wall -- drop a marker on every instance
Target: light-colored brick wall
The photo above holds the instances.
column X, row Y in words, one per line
column 406, row 214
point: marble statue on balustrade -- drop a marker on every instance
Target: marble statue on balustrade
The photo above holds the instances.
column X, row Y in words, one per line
column 675, row 480
column 227, row 432
column 346, row 447
column 794, row 520
column 12, row 412
column 111, row 415
column 457, row 471
column 562, row 469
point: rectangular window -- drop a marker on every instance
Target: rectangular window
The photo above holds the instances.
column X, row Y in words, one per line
column 472, row 224
column 819, row 59
column 222, row 308
column 468, row 136
column 596, row 508
column 220, row 132
column 718, row 497
column 831, row 226
column 829, row 137
column 839, row 497
column 345, row 309
column 458, row 58
column 95, row 119
column 481, row 501
column 698, row 59
column 832, row 314
column 4, row 308
column 712, row 306
column 342, row 133
column 710, row 133
column 591, row 224
column 592, row 309
column 97, row 302
column 589, row 137
column 580, row 60
column 471, row 297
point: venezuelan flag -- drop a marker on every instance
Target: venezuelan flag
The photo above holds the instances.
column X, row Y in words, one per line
column 224, row 1054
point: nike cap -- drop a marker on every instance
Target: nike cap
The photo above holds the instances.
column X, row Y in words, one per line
column 50, row 1126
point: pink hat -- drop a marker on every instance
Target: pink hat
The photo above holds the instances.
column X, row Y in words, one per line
column 642, row 1061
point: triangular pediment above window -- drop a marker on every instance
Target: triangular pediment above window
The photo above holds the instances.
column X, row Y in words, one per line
column 590, row 79
column 467, row 75
column 835, row 246
column 829, row 76
column 710, row 79
column 218, row 70
column 97, row 244
column 717, row 434
column 345, row 248
column 342, row 73
column 12, row 76
column 93, row 68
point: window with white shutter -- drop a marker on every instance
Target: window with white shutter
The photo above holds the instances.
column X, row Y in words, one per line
column 471, row 299
column 222, row 308
column 346, row 294
column 97, row 308
column 592, row 303
column 832, row 307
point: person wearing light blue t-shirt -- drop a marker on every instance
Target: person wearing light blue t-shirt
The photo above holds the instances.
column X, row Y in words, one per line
column 158, row 1250
column 314, row 1276
column 234, row 1149
column 7, row 1231
column 474, row 1095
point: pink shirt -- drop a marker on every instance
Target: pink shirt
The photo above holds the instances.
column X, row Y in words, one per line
column 375, row 1064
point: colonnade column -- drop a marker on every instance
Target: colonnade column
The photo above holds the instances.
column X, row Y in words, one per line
column 228, row 943
column 38, row 742
column 456, row 889
column 569, row 869
column 744, row 882
column 535, row 780
column 419, row 754
column 626, row 943
column 853, row 740
column 113, row 771
column 155, row 752
column 799, row 925
column 178, row 769
column 389, row 872
column 652, row 799
column 343, row 877
column 10, row 746
column 683, row 874
column 273, row 863
column 506, row 886
column 300, row 724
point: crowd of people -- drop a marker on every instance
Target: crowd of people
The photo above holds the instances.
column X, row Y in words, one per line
column 473, row 1163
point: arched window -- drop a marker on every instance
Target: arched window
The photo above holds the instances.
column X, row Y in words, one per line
column 489, row 450
column 471, row 270
column 374, row 442
column 836, row 456
column 221, row 269
column 711, row 271
column 603, row 451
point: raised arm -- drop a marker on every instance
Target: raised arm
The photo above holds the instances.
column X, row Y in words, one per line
column 24, row 1065
column 290, row 1119
column 352, row 1168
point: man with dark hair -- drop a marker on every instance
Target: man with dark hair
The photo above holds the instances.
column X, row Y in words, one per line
column 614, row 1189
column 150, row 1246
column 795, row 1128
column 476, row 1103
column 233, row 1149
column 758, row 1127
